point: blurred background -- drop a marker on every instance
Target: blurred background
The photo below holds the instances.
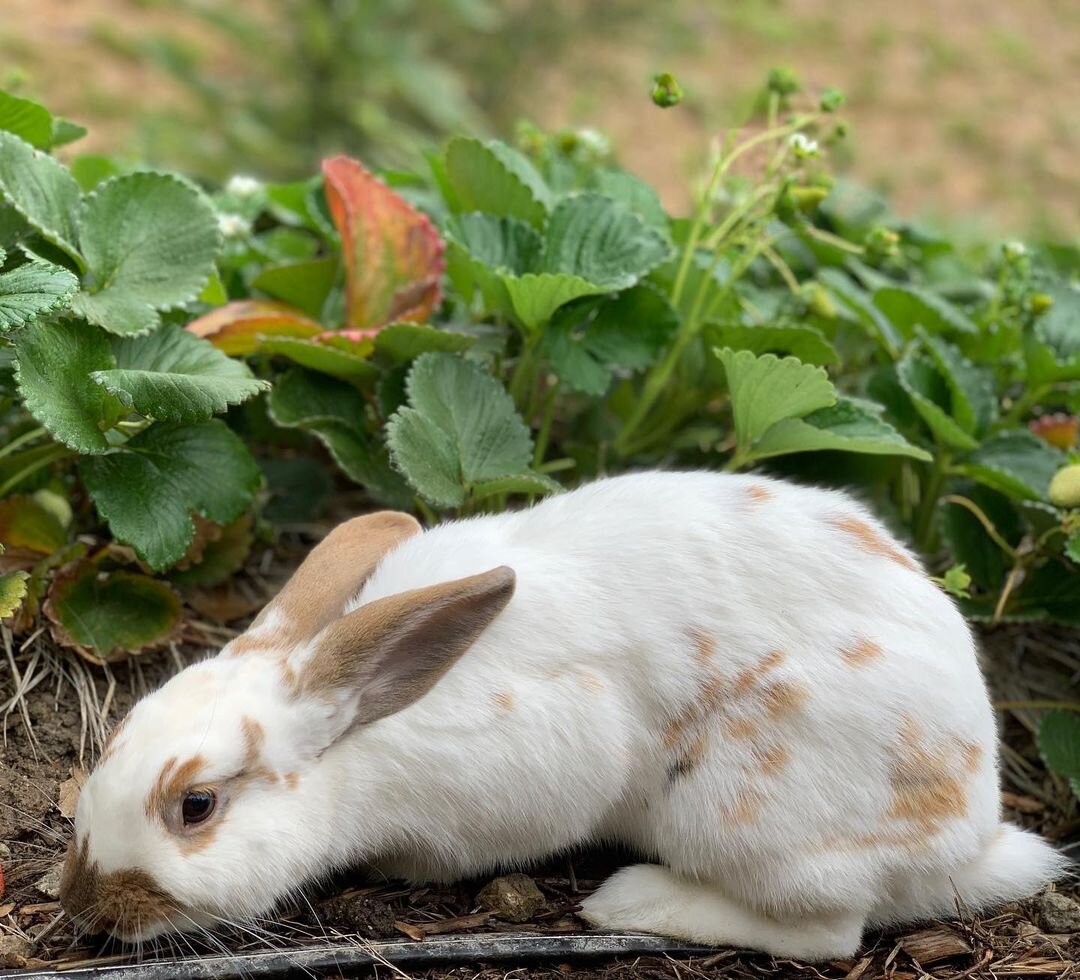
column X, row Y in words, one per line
column 966, row 112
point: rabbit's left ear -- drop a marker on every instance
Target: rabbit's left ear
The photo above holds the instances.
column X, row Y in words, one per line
column 388, row 653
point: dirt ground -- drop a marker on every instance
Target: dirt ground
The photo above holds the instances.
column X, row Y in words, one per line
column 71, row 704
column 964, row 110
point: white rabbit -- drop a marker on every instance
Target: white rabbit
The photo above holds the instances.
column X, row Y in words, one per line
column 750, row 683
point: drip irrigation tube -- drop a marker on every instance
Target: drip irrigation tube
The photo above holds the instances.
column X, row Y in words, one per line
column 350, row 959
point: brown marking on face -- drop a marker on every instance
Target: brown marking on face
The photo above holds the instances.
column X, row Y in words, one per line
column 504, row 701
column 861, row 652
column 972, row 755
column 870, row 539
column 704, row 646
column 157, row 798
column 254, row 737
column 759, row 493
column 925, row 785
column 591, row 682
column 333, row 572
column 743, row 729
column 783, row 698
column 125, row 901
column 773, row 760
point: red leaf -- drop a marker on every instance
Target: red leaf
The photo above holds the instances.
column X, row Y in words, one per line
column 393, row 254
column 235, row 328
column 1058, row 429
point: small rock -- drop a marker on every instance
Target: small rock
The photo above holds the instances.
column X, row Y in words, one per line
column 14, row 951
column 356, row 913
column 514, row 898
column 1057, row 913
column 5, row 852
column 49, row 883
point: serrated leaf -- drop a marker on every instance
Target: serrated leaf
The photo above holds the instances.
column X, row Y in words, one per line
column 587, row 345
column 402, row 342
column 638, row 196
column 172, row 375
column 108, row 615
column 238, row 328
column 150, row 241
column 339, row 362
column 496, row 179
column 33, row 289
column 460, row 429
column 909, row 307
column 973, row 400
column 221, row 557
column 26, row 524
column 765, row 389
column 601, row 241
column 857, row 301
column 932, row 396
column 807, row 344
column 507, row 244
column 392, row 253
column 1059, row 744
column 26, row 119
column 1052, row 347
column 148, row 489
column 55, row 361
column 847, row 426
column 303, row 285
column 42, row 191
column 1016, row 463
column 12, row 592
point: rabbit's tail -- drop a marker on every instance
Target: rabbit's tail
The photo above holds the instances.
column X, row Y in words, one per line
column 1015, row 865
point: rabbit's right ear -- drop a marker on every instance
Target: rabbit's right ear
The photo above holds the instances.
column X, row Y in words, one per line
column 333, row 572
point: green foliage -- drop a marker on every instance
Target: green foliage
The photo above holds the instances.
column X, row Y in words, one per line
column 1059, row 744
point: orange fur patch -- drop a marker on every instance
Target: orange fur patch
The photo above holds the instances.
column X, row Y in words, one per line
column 861, row 652
column 870, row 539
column 705, row 646
column 759, row 493
column 504, row 700
column 926, row 787
column 741, row 728
column 783, row 697
column 591, row 682
column 773, row 760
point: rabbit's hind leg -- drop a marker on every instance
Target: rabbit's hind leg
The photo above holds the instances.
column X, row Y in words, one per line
column 652, row 898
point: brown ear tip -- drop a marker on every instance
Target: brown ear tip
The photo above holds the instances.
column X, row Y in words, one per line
column 503, row 579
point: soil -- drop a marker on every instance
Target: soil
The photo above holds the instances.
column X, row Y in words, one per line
column 39, row 780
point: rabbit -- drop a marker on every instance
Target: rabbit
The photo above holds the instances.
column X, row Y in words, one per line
column 749, row 683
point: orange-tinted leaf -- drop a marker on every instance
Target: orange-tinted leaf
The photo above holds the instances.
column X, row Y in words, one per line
column 393, row 254
column 236, row 328
column 1058, row 429
column 26, row 524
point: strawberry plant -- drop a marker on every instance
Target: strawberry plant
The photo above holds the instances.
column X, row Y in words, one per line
column 182, row 365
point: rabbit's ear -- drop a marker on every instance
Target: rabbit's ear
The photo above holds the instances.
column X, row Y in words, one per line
column 387, row 654
column 328, row 578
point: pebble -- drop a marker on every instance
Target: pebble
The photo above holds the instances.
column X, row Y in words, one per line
column 514, row 898
column 49, row 883
column 14, row 951
column 1058, row 913
column 356, row 913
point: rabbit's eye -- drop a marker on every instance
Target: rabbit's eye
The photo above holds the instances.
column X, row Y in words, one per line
column 197, row 806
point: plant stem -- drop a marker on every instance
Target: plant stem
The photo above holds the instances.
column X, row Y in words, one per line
column 544, row 435
column 23, row 440
column 924, row 521
column 985, row 521
column 27, row 471
column 1024, row 404
column 1037, row 705
column 521, row 381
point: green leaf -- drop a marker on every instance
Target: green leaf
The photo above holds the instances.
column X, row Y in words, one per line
column 587, row 345
column 956, row 581
column 12, row 592
column 496, row 179
column 91, row 169
column 459, row 430
column 536, row 484
column 1072, row 548
column 1059, row 745
column 221, row 557
column 1016, row 463
column 848, row 426
column 150, row 242
column 403, row 342
column 25, row 523
column 339, row 362
column 298, row 489
column 805, row 343
column 41, row 190
column 968, row 540
column 497, row 243
column 931, row 395
column 304, row 285
column 857, row 301
column 55, row 361
column 1052, row 347
column 110, row 614
column 31, row 289
column 973, row 401
column 65, row 131
column 175, row 376
column 765, row 389
column 535, row 298
column 148, row 489
column 26, row 119
column 638, row 196
column 601, row 241
column 908, row 307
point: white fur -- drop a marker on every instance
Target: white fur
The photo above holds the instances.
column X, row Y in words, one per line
column 547, row 733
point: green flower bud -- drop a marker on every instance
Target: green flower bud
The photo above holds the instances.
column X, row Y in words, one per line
column 1065, row 486
column 1040, row 303
column 782, row 81
column 1013, row 252
column 808, row 198
column 820, row 301
column 831, row 99
column 881, row 243
column 666, row 91
column 530, row 138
